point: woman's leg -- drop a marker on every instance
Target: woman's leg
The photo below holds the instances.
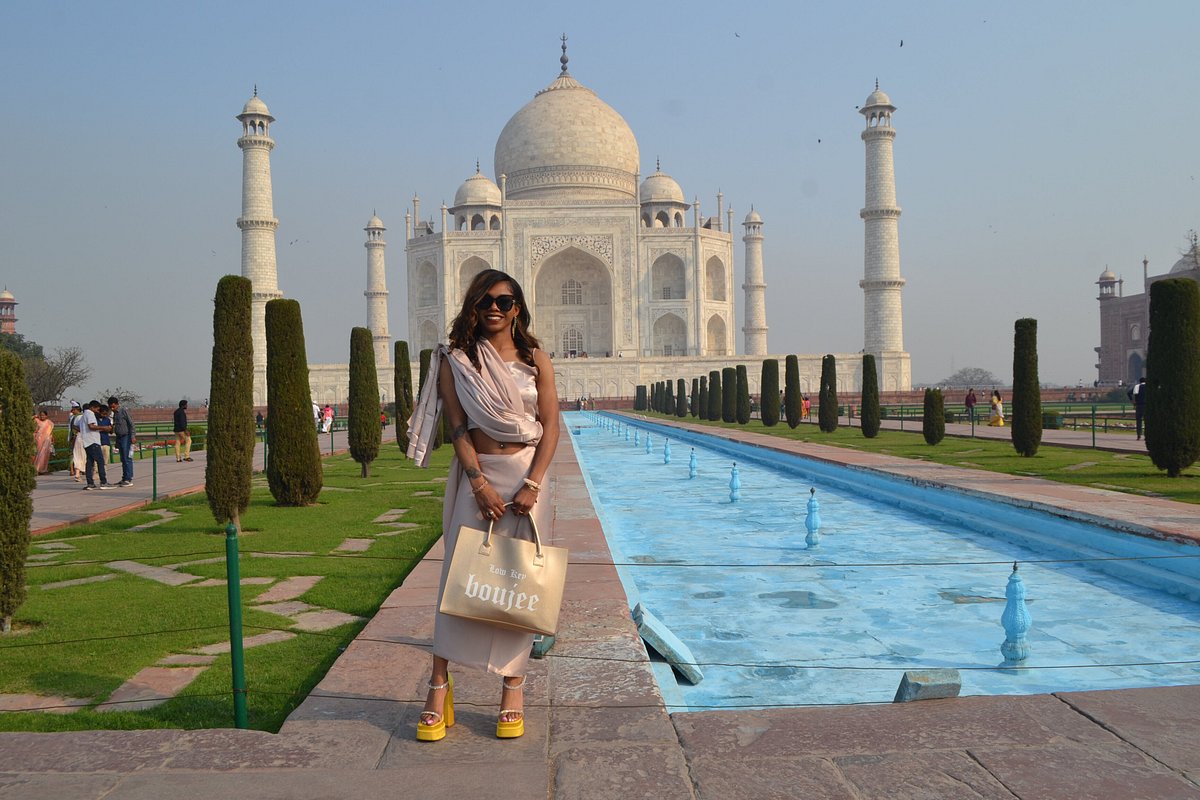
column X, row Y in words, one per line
column 512, row 698
column 436, row 700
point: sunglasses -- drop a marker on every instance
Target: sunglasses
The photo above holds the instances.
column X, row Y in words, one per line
column 504, row 302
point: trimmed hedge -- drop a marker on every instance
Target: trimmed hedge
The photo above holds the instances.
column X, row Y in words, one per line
column 639, row 399
column 792, row 397
column 293, row 458
column 1026, row 411
column 702, row 402
column 768, row 396
column 827, row 411
column 230, row 437
column 868, row 412
column 365, row 432
column 694, row 406
column 743, row 395
column 1172, row 410
column 403, row 388
column 681, row 403
column 17, row 482
column 729, row 394
column 714, row 395
column 933, row 421
column 668, row 398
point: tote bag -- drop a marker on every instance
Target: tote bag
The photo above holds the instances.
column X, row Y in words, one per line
column 507, row 582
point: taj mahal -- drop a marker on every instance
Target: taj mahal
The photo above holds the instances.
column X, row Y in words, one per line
column 628, row 283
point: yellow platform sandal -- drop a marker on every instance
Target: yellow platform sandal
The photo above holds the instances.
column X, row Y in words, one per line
column 513, row 728
column 434, row 730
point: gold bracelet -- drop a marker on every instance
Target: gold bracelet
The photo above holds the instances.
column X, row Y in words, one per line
column 534, row 485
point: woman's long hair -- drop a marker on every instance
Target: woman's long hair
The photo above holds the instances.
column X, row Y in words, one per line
column 464, row 331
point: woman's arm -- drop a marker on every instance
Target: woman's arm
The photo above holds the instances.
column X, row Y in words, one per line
column 548, row 414
column 490, row 502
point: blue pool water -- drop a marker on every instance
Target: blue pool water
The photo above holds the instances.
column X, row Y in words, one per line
column 776, row 623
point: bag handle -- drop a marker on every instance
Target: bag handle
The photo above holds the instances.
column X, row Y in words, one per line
column 485, row 547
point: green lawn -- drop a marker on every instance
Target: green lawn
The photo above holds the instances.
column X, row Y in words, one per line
column 84, row 641
column 1124, row 472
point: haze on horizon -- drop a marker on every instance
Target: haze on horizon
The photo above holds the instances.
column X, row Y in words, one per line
column 1036, row 145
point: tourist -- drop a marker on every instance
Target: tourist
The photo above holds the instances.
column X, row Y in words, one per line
column 317, row 417
column 970, row 404
column 805, row 408
column 74, row 444
column 126, row 433
column 502, row 453
column 89, row 434
column 1137, row 393
column 258, row 420
column 997, row 418
column 43, row 439
column 102, row 416
column 183, row 437
column 327, row 418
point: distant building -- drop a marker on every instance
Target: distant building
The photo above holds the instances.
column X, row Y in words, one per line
column 8, row 312
column 1125, row 320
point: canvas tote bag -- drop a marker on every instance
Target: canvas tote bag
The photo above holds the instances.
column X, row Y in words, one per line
column 507, row 582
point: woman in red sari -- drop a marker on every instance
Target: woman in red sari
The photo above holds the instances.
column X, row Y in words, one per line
column 43, row 439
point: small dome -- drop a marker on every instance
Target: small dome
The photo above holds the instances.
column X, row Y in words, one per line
column 255, row 105
column 477, row 190
column 1108, row 276
column 1189, row 262
column 660, row 188
column 6, row 295
column 753, row 217
column 375, row 223
column 877, row 98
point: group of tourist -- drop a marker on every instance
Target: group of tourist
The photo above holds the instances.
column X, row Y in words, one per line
column 92, row 430
column 996, row 419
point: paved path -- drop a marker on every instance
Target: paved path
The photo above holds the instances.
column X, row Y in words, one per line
column 597, row 728
column 58, row 501
column 1119, row 442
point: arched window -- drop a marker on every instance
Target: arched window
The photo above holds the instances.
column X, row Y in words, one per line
column 477, row 223
column 714, row 274
column 495, row 225
column 645, row 220
column 572, row 341
column 572, row 292
column 1135, row 332
column 667, row 278
column 427, row 285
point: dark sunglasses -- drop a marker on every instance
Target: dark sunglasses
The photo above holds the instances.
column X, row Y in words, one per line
column 504, row 302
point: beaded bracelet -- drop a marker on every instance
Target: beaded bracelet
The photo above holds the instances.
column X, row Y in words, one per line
column 532, row 484
column 479, row 488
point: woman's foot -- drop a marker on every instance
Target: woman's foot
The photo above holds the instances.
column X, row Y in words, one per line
column 435, row 702
column 438, row 713
column 511, row 722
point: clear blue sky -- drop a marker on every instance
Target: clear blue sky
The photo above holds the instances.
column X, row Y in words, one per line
column 1037, row 142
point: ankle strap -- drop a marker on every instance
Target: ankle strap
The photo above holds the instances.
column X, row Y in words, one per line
column 504, row 679
column 437, row 687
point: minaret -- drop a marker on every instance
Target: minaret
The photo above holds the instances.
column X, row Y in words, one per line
column 755, row 287
column 8, row 312
column 881, row 283
column 258, row 225
column 376, row 293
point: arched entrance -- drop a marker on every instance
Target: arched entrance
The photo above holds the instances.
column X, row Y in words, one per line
column 670, row 336
column 466, row 273
column 715, row 340
column 573, row 292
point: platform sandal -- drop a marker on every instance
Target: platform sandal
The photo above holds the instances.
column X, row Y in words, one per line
column 435, row 729
column 511, row 729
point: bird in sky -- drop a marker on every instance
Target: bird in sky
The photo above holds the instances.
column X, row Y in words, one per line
column 902, row 43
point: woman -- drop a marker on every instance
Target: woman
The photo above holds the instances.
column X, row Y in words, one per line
column 43, row 439
column 496, row 388
column 75, row 443
column 997, row 418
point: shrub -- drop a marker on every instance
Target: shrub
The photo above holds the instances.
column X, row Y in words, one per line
column 681, row 403
column 768, row 397
column 1026, row 413
column 365, row 433
column 293, row 459
column 714, row 395
column 17, row 481
column 792, row 397
column 1172, row 412
column 403, row 392
column 694, row 405
column 701, row 409
column 231, row 436
column 868, row 412
column 729, row 394
column 668, row 399
column 422, row 375
column 933, row 421
column 1051, row 420
column 743, row 395
column 827, row 411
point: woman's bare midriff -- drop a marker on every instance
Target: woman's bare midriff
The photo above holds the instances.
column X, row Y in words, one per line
column 489, row 446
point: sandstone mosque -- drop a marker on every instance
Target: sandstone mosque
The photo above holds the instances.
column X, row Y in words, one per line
column 628, row 283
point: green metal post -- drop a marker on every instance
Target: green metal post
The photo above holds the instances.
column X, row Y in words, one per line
column 237, row 657
column 972, row 423
column 330, row 440
column 154, row 473
column 1094, row 426
column 266, row 444
column 901, row 417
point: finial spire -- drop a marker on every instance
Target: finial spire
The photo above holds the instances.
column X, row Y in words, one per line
column 563, row 59
column 256, row 90
column 657, row 164
column 477, row 166
column 877, row 84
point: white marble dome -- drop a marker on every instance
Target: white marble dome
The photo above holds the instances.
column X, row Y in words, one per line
column 568, row 143
column 660, row 187
column 255, row 105
column 1107, row 276
column 877, row 98
column 375, row 223
column 753, row 217
column 1189, row 262
column 477, row 190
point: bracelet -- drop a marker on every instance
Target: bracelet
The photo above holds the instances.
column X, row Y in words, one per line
column 532, row 484
column 479, row 488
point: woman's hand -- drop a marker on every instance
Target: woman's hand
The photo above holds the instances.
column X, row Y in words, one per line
column 524, row 501
column 491, row 504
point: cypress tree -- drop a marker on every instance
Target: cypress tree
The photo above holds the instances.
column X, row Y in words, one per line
column 869, row 409
column 639, row 399
column 702, row 402
column 827, row 412
column 768, row 398
column 403, row 392
column 694, row 405
column 791, row 391
column 1172, row 410
column 422, row 375
column 17, row 481
column 729, row 394
column 365, row 432
column 681, row 404
column 742, row 411
column 293, row 458
column 230, row 442
column 714, row 395
column 1027, row 394
column 933, row 420
column 668, row 399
